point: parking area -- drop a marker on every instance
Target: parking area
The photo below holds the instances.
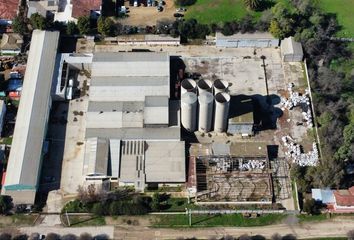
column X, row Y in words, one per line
column 148, row 16
column 74, row 142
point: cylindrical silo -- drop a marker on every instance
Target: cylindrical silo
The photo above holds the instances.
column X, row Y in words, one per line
column 188, row 85
column 222, row 105
column 189, row 111
column 220, row 86
column 204, row 85
column 206, row 100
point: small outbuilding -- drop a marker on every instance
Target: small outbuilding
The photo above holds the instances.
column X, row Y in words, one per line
column 291, row 51
column 11, row 43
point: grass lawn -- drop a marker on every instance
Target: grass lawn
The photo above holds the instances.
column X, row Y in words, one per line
column 235, row 220
column 344, row 11
column 81, row 221
column 312, row 218
column 215, row 11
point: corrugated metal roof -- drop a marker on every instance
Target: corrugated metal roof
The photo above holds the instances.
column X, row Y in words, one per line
column 129, row 81
column 290, row 46
column 131, row 57
column 25, row 155
column 96, row 157
column 323, row 195
column 171, row 133
column 115, row 106
column 165, row 161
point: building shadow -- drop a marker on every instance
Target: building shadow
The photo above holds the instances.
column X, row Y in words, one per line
column 52, row 159
column 177, row 69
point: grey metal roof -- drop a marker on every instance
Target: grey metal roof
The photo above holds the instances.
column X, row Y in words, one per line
column 115, row 106
column 96, row 157
column 25, row 156
column 172, row 133
column 165, row 161
column 130, row 57
column 156, row 101
column 130, row 81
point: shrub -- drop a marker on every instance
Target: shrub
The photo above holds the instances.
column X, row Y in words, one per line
column 185, row 2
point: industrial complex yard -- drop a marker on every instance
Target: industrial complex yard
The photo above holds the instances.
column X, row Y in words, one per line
column 220, row 160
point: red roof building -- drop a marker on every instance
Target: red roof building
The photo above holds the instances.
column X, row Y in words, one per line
column 344, row 200
column 8, row 9
column 84, row 7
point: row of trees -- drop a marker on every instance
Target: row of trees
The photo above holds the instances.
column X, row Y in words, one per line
column 333, row 89
column 53, row 236
column 120, row 202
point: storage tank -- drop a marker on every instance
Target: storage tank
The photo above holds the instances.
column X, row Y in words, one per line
column 204, row 85
column 206, row 100
column 189, row 111
column 220, row 86
column 188, row 85
column 222, row 105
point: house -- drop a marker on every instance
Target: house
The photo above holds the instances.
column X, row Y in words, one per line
column 82, row 8
column 337, row 201
column 291, row 51
column 11, row 43
column 251, row 40
column 8, row 10
column 45, row 8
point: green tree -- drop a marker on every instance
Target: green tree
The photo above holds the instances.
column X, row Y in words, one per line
column 155, row 203
column 38, row 21
column 274, row 29
column 98, row 209
column 83, row 24
column 5, row 204
column 19, row 25
column 71, row 28
column 252, row 4
column 105, row 26
column 311, row 207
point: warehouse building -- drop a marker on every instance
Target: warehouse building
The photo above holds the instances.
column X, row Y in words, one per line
column 291, row 51
column 131, row 127
column 24, row 163
column 250, row 40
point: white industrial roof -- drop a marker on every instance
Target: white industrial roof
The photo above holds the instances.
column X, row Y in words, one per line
column 131, row 64
column 290, row 46
column 156, row 110
column 25, row 156
column 165, row 161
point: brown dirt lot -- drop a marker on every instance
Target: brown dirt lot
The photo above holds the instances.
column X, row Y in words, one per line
column 143, row 16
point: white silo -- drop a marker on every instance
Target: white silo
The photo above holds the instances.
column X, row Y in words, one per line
column 189, row 111
column 222, row 105
column 220, row 86
column 188, row 85
column 206, row 100
column 204, row 85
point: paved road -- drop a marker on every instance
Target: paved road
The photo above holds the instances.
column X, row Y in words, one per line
column 94, row 231
column 310, row 230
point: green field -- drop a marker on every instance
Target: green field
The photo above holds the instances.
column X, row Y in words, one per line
column 216, row 11
column 344, row 11
column 235, row 220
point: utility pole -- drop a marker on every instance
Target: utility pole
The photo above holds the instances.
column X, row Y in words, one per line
column 67, row 217
column 190, row 217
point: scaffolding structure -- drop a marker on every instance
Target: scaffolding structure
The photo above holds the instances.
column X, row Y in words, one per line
column 233, row 179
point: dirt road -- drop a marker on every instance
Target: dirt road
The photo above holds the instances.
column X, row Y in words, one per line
column 332, row 228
